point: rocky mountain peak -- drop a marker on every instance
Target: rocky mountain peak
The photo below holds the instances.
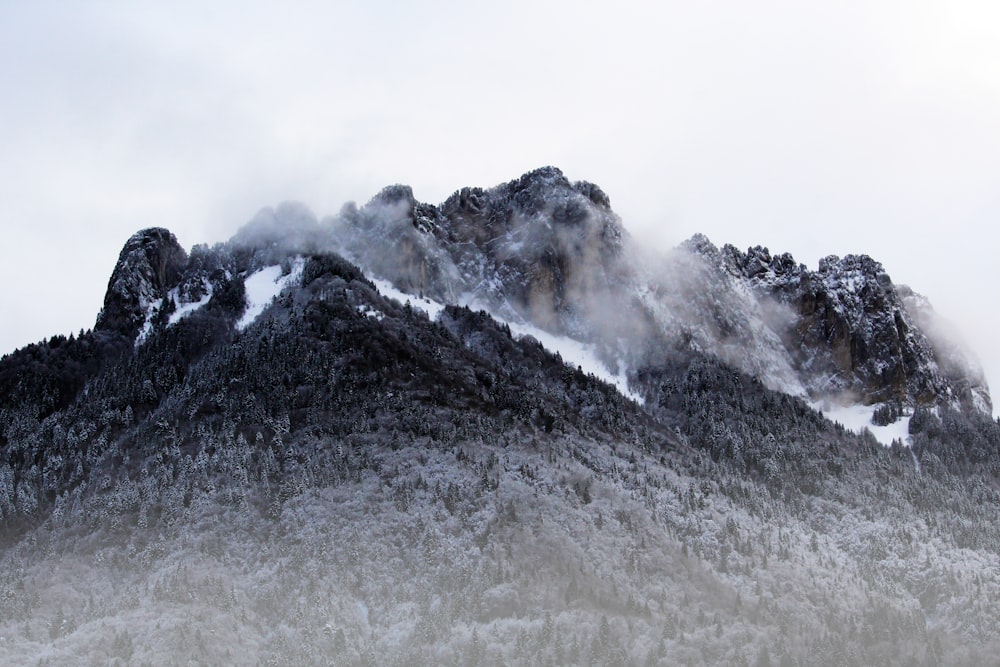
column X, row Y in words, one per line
column 532, row 192
column 149, row 264
column 537, row 246
column 757, row 265
column 851, row 333
column 701, row 245
column 552, row 252
column 394, row 194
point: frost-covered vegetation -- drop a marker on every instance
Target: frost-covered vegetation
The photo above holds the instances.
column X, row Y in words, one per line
column 262, row 456
column 329, row 487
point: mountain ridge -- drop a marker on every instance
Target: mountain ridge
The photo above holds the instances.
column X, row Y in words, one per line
column 553, row 253
column 279, row 455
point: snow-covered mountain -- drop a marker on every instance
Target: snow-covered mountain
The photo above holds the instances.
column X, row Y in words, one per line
column 494, row 431
column 551, row 257
column 542, row 251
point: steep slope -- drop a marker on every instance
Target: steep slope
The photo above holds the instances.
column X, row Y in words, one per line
column 700, row 307
column 277, row 463
column 148, row 265
column 855, row 331
column 552, row 253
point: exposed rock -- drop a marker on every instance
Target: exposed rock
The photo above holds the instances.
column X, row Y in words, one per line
column 536, row 247
column 853, row 333
column 150, row 263
column 551, row 252
column 544, row 250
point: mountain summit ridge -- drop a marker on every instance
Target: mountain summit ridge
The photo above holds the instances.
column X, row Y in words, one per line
column 493, row 432
column 552, row 253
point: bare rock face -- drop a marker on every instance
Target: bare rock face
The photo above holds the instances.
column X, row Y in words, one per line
column 854, row 331
column 537, row 247
column 150, row 263
column 542, row 249
column 550, row 249
column 396, row 238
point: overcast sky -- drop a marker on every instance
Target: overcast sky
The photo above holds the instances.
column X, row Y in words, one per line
column 810, row 127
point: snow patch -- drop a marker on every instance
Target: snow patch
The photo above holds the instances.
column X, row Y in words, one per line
column 368, row 311
column 183, row 310
column 430, row 307
column 147, row 327
column 858, row 417
column 263, row 286
column 576, row 353
column 572, row 351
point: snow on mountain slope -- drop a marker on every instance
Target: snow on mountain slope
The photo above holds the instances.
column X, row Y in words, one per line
column 551, row 253
column 582, row 355
column 573, row 352
column 550, row 258
column 262, row 286
column 428, row 306
column 857, row 417
column 181, row 308
column 186, row 308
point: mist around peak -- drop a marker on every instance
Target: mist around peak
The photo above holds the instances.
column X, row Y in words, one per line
column 492, row 431
column 545, row 251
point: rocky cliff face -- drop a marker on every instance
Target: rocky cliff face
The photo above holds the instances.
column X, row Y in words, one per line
column 853, row 331
column 554, row 253
column 538, row 247
column 150, row 263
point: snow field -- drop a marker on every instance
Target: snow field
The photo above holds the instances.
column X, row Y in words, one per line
column 263, row 286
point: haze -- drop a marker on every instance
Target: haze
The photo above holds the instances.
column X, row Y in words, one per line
column 814, row 129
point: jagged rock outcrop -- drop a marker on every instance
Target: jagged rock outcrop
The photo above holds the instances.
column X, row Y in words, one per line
column 552, row 252
column 150, row 263
column 543, row 250
column 852, row 332
column 538, row 247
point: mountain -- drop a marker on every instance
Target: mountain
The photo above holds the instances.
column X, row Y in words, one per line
column 495, row 431
column 543, row 250
column 852, row 330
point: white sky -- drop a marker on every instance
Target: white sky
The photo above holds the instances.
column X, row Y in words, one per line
column 813, row 127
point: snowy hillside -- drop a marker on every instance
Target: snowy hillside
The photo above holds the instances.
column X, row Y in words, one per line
column 493, row 432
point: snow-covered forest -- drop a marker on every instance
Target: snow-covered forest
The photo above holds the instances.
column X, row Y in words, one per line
column 330, row 472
